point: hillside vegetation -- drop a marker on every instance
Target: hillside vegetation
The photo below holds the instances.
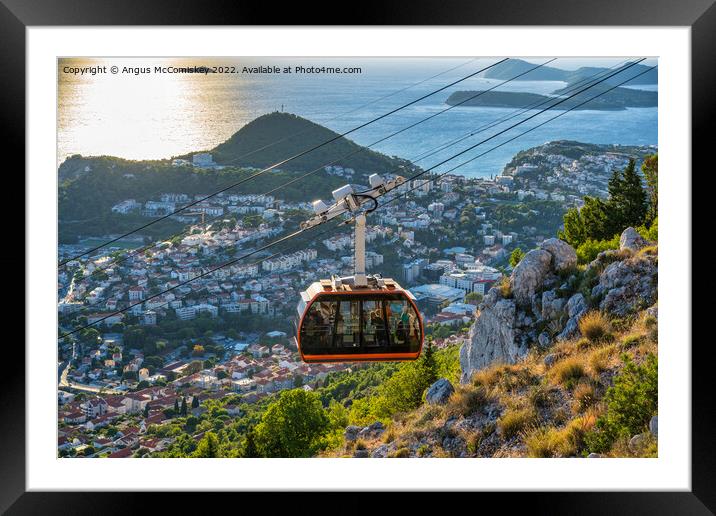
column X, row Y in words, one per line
column 297, row 134
column 90, row 186
column 582, row 396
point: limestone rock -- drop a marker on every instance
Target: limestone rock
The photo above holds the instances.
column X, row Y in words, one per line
column 637, row 442
column 632, row 240
column 628, row 285
column 576, row 308
column 552, row 305
column 550, row 359
column 544, row 339
column 654, row 426
column 564, row 257
column 576, row 305
column 492, row 337
column 439, row 393
column 351, row 433
column 529, row 275
column 373, row 431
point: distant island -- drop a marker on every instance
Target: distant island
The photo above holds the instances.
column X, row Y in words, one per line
column 615, row 100
column 513, row 67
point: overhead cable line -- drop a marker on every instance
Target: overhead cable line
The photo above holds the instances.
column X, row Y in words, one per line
column 361, row 149
column 282, row 162
column 336, row 117
column 296, row 233
column 402, row 194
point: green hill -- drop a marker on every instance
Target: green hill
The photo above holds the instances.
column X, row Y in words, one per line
column 296, row 135
column 90, row 186
column 616, row 99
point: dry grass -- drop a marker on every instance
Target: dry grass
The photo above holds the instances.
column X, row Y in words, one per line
column 465, row 401
column 400, row 453
column 505, row 378
column 514, row 421
column 505, row 287
column 568, row 371
column 584, row 396
column 539, row 396
column 559, row 442
column 594, row 326
column 631, row 341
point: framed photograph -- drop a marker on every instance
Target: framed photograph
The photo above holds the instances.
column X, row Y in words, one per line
column 258, row 253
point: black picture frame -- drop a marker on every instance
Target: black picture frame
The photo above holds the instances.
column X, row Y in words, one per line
column 17, row 15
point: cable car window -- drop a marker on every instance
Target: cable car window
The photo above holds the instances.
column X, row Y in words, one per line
column 374, row 328
column 320, row 320
column 348, row 325
column 403, row 324
column 344, row 325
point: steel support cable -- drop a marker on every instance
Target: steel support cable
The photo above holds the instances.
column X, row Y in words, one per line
column 280, row 163
column 296, row 233
column 303, row 176
column 518, row 136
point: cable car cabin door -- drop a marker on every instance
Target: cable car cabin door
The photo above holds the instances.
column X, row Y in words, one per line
column 371, row 326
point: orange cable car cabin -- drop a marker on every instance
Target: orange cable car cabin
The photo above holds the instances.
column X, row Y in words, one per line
column 358, row 318
column 340, row 323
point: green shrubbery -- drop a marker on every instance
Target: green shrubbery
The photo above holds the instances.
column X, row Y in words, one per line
column 630, row 404
column 596, row 226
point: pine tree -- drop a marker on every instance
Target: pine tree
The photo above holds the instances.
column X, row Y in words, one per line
column 146, row 410
column 250, row 449
column 183, row 407
column 208, row 447
column 633, row 195
column 195, row 402
column 650, row 169
column 428, row 362
column 176, row 405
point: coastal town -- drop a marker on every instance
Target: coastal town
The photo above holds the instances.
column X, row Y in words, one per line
column 167, row 328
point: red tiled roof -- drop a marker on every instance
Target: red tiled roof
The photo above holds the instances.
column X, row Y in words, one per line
column 120, row 454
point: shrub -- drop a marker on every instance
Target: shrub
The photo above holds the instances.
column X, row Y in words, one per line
column 594, row 326
column 423, row 450
column 630, row 404
column 514, row 421
column 568, row 371
column 505, row 287
column 589, row 250
column 360, row 445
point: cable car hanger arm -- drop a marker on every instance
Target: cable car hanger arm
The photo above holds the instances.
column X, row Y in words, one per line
column 351, row 202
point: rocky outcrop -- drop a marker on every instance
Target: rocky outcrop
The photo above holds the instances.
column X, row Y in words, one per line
column 576, row 308
column 628, row 286
column 529, row 275
column 632, row 240
column 492, row 337
column 564, row 257
column 439, row 393
column 352, row 433
column 541, row 308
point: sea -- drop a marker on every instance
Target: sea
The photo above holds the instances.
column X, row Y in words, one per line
column 144, row 112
